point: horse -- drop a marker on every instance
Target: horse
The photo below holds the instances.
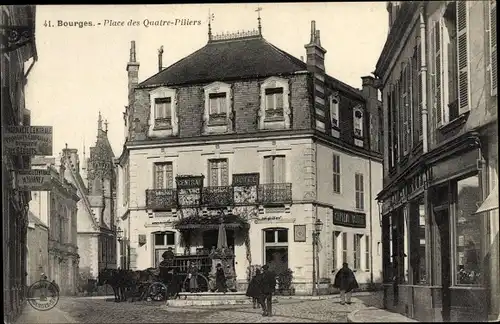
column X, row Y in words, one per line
column 113, row 277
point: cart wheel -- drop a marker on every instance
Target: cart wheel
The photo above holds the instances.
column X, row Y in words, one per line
column 157, row 291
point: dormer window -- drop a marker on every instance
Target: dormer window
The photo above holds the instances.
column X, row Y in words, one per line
column 163, row 119
column 334, row 111
column 163, row 113
column 274, row 112
column 217, row 115
column 274, row 102
column 358, row 125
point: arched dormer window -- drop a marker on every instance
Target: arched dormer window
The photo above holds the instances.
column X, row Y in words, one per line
column 274, row 112
column 163, row 119
column 217, row 116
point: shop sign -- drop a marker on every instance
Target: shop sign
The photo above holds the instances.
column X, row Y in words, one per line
column 349, row 218
column 245, row 179
column 188, row 182
column 28, row 140
column 33, row 180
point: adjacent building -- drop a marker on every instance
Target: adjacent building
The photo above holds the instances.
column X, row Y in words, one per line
column 57, row 210
column 440, row 223
column 95, row 183
column 38, row 249
column 18, row 57
column 243, row 133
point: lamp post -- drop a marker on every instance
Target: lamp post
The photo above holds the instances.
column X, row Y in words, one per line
column 119, row 237
column 318, row 227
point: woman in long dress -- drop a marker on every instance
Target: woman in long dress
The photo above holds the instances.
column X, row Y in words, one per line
column 220, row 279
column 254, row 290
column 193, row 277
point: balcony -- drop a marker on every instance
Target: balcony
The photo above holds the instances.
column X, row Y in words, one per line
column 220, row 196
column 275, row 194
column 161, row 199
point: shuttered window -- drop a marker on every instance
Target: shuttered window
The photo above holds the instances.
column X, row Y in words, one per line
column 417, row 93
column 395, row 107
column 463, row 56
column 408, row 106
column 359, row 191
column 493, row 47
column 218, row 173
column 438, row 65
column 274, row 169
column 390, row 127
column 336, row 173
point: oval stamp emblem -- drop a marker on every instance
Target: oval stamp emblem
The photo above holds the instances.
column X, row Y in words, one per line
column 43, row 295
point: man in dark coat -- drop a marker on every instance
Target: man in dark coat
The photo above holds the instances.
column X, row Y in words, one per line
column 254, row 287
column 346, row 282
column 267, row 289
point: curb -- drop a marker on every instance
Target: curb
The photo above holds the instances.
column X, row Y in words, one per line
column 351, row 316
column 323, row 297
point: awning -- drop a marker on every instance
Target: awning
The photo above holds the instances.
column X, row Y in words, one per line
column 490, row 203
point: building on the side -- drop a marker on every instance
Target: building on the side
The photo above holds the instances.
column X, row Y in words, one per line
column 95, row 181
column 38, row 249
column 19, row 55
column 243, row 131
column 57, row 209
column 438, row 76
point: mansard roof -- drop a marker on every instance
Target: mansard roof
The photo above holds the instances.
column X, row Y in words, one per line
column 238, row 58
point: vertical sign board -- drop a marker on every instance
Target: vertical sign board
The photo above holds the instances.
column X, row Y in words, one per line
column 28, row 140
column 33, row 180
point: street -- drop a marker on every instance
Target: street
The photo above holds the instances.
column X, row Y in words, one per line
column 93, row 310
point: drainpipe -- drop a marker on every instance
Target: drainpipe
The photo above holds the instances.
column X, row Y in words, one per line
column 371, row 214
column 423, row 72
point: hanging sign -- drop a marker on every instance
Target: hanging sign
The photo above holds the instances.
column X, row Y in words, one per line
column 28, row 140
column 33, row 180
column 349, row 218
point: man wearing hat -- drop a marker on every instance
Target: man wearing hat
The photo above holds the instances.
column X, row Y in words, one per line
column 267, row 290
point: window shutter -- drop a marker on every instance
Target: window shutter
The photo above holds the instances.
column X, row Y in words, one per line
column 419, row 93
column 493, row 47
column 268, row 169
column 432, row 74
column 279, row 169
column 169, row 174
column 213, row 173
column 224, row 173
column 463, row 56
column 409, row 104
column 438, row 64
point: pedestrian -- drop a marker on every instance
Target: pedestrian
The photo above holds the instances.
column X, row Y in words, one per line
column 268, row 287
column 254, row 287
column 193, row 277
column 220, row 279
column 346, row 282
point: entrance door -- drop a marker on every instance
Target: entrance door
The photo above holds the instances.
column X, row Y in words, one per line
column 443, row 223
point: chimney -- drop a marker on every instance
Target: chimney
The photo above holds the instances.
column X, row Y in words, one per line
column 315, row 52
column 133, row 70
column 373, row 111
column 160, row 59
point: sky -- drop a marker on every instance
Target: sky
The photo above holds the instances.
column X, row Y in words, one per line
column 81, row 70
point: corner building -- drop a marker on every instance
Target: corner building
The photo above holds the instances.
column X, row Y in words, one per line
column 438, row 76
column 242, row 130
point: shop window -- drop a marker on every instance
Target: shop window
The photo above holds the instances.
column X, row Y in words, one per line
column 162, row 242
column 468, row 263
column 276, row 249
column 417, row 242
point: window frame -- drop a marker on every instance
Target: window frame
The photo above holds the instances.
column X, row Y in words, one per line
column 273, row 169
column 356, row 251
column 219, row 162
column 335, row 111
column 166, row 183
column 359, row 189
column 345, row 255
column 171, row 128
column 220, row 121
column 269, row 118
column 358, row 126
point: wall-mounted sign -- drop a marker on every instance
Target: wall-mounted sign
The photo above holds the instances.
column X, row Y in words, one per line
column 186, row 182
column 245, row 179
column 349, row 218
column 28, row 140
column 299, row 233
column 33, row 180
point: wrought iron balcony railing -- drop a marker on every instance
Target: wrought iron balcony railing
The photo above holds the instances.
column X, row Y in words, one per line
column 161, row 199
column 275, row 193
column 220, row 196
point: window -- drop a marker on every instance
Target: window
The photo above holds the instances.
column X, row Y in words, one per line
column 274, row 109
column 218, row 173
column 417, row 92
column 274, row 102
column 357, row 251
column 417, row 241
column 334, row 111
column 468, row 263
column 336, row 173
column 218, row 105
column 335, row 237
column 381, row 130
column 126, row 184
column 274, row 169
column 162, row 242
column 358, row 121
column 163, row 116
column 276, row 249
column 163, row 112
column 359, row 190
column 344, row 248
column 493, row 47
column 164, row 177
column 367, row 253
column 405, row 108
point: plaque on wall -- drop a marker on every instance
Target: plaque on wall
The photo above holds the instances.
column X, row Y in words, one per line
column 349, row 218
column 299, row 232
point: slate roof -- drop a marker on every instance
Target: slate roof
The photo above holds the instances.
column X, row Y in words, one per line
column 229, row 59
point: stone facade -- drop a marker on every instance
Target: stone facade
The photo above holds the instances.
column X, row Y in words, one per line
column 38, row 249
column 58, row 209
column 437, row 73
column 251, row 140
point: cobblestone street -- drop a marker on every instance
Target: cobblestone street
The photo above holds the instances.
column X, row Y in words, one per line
column 87, row 310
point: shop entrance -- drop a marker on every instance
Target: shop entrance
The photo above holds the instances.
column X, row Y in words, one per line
column 442, row 218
